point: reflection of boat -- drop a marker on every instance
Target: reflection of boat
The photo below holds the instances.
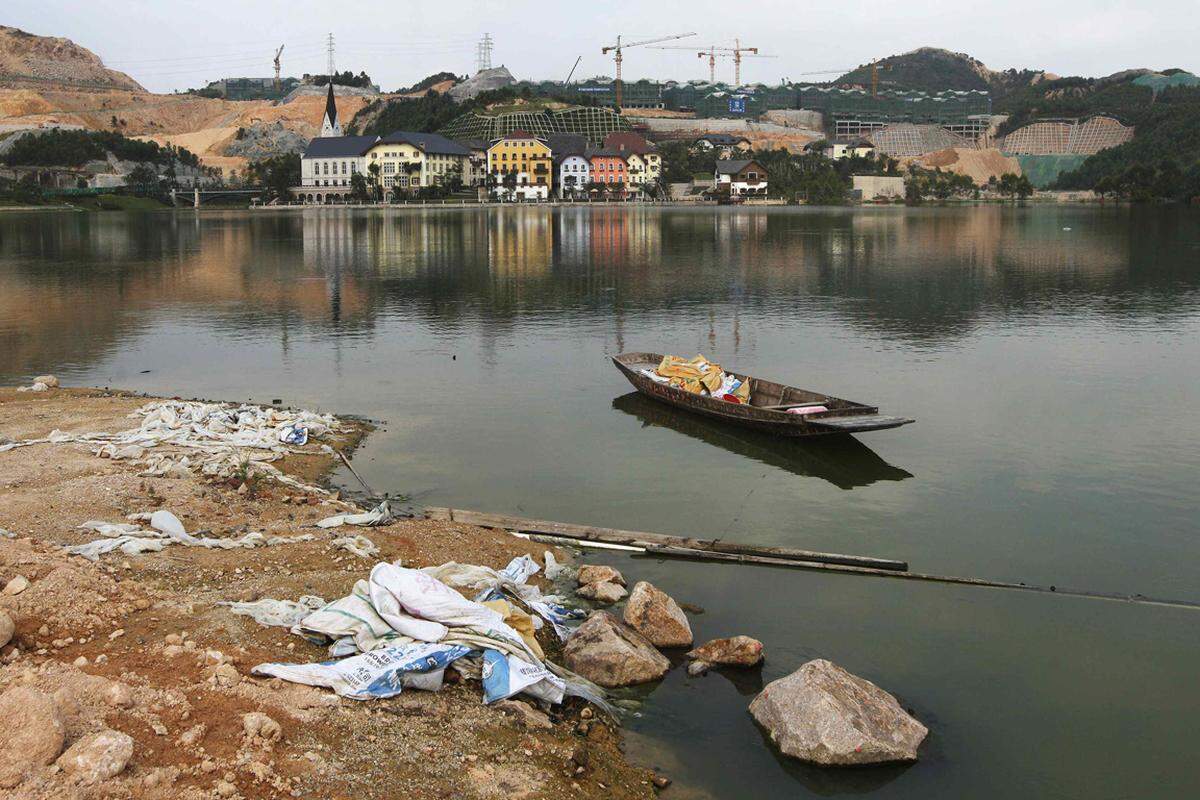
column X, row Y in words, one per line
column 842, row 460
column 773, row 406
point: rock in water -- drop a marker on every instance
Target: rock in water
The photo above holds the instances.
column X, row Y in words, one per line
column 6, row 629
column 33, row 733
column 596, row 573
column 602, row 592
column 50, row 381
column 736, row 651
column 824, row 715
column 653, row 614
column 612, row 654
column 97, row 757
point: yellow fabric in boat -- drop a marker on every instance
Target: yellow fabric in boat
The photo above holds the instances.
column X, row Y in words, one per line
column 676, row 367
column 743, row 391
column 519, row 621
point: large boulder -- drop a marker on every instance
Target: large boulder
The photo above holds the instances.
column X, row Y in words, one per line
column 6, row 629
column 612, row 654
column 653, row 614
column 97, row 757
column 824, row 715
column 606, row 592
column 32, row 733
column 595, row 573
column 736, row 651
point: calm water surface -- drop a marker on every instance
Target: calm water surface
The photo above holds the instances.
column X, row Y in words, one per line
column 1050, row 355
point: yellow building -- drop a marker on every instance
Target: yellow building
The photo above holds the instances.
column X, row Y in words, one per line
column 408, row 161
column 526, row 161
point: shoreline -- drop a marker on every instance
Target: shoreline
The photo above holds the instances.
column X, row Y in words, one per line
column 147, row 628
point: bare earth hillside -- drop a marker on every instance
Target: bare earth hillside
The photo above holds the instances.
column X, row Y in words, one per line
column 26, row 57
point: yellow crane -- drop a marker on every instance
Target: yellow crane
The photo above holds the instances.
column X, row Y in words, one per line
column 616, row 50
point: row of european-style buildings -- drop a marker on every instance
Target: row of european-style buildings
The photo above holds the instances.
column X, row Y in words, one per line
column 519, row 166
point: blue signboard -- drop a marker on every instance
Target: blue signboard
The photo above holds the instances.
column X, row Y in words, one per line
column 737, row 105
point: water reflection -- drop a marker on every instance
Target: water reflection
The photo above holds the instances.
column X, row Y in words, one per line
column 842, row 460
column 921, row 277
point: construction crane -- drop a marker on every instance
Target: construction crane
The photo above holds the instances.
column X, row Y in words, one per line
column 737, row 53
column 278, row 83
column 617, row 48
column 567, row 82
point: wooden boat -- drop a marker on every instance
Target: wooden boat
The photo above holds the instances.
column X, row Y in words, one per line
column 768, row 406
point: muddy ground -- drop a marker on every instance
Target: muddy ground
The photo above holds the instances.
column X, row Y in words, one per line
column 139, row 645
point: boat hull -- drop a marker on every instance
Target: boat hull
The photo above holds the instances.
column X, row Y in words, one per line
column 844, row 416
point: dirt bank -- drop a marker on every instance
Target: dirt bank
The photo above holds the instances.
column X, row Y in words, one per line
column 94, row 637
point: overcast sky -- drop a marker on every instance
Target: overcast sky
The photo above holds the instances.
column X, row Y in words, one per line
column 176, row 44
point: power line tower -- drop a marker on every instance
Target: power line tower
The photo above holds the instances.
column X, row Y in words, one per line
column 483, row 53
column 329, row 49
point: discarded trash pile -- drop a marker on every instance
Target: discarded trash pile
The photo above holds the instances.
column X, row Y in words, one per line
column 700, row 376
column 223, row 440
column 165, row 529
column 401, row 628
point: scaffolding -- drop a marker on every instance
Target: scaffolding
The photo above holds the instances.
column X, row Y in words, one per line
column 903, row 139
column 591, row 122
column 1067, row 137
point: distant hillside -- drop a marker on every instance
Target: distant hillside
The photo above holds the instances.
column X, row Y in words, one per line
column 932, row 69
column 25, row 57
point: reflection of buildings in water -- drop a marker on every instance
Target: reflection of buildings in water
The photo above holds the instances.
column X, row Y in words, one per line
column 622, row 236
column 520, row 241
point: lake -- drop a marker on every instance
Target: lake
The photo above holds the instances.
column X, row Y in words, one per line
column 1050, row 355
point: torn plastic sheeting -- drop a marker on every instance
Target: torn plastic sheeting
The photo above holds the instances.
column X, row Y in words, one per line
column 110, row 529
column 375, row 675
column 277, row 613
column 360, row 546
column 166, row 529
column 506, row 675
column 129, row 545
column 490, row 584
column 380, row 515
column 295, row 434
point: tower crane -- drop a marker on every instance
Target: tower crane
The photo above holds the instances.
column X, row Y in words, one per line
column 278, row 83
column 617, row 48
column 737, row 53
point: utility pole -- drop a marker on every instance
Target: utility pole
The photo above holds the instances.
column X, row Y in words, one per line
column 483, row 53
column 329, row 49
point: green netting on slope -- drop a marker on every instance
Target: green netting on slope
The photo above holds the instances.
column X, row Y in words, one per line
column 1159, row 82
column 1044, row 170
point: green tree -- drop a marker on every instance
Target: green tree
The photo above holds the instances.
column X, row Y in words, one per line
column 143, row 178
column 359, row 191
column 276, row 175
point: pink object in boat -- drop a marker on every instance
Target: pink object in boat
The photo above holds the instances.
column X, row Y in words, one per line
column 807, row 410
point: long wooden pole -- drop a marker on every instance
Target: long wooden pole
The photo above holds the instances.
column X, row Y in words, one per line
column 657, row 545
column 641, row 539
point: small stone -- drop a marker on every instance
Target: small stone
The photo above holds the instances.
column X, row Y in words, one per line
column 605, row 592
column 226, row 675
column 173, row 638
column 119, row 695
column 736, row 651
column 660, row 781
column 172, row 650
column 525, row 714
column 33, row 733
column 587, row 713
column 101, row 659
column 225, row 788
column 16, row 585
column 257, row 725
column 117, row 634
column 81, row 661
column 208, row 765
column 6, row 629
column 696, row 668
column 50, row 381
column 97, row 757
column 193, row 735
column 597, row 573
